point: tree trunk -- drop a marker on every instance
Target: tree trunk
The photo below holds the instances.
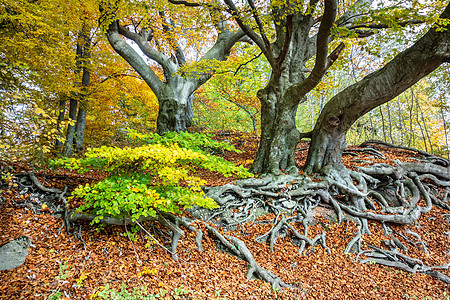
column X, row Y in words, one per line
column 279, row 135
column 85, row 81
column 71, row 128
column 172, row 116
column 407, row 68
column 62, row 111
column 80, row 126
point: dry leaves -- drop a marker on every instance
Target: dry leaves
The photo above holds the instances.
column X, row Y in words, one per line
column 81, row 266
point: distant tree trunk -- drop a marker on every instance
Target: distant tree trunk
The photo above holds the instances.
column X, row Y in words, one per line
column 418, row 123
column 382, row 123
column 62, row 111
column 390, row 122
column 85, row 81
column 411, row 133
column 80, row 125
column 78, row 105
column 445, row 132
column 400, row 124
column 71, row 128
column 426, row 129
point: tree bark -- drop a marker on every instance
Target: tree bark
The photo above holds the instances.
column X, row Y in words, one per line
column 71, row 128
column 408, row 67
column 279, row 135
column 175, row 93
column 62, row 111
column 85, row 81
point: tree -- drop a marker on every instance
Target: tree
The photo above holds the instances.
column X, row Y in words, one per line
column 52, row 62
column 288, row 55
column 161, row 41
column 407, row 68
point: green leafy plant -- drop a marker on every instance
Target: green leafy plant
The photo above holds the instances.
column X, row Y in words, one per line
column 63, row 271
column 146, row 179
column 55, row 296
column 196, row 141
column 141, row 294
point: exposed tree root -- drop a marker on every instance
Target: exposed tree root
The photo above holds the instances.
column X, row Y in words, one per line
column 397, row 194
column 430, row 157
column 239, row 248
column 393, row 258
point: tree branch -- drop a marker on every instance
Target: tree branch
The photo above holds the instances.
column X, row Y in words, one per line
column 299, row 90
column 246, row 63
column 259, row 24
column 149, row 51
column 384, row 26
column 187, row 3
column 133, row 58
column 173, row 43
column 250, row 33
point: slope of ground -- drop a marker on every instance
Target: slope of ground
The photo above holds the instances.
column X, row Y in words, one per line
column 81, row 263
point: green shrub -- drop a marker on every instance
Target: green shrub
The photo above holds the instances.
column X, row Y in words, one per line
column 141, row 294
column 146, row 179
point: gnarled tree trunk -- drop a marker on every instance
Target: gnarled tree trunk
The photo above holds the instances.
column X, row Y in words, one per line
column 279, row 136
column 174, row 93
column 338, row 115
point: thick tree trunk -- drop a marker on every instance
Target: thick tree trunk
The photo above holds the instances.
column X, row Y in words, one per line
column 326, row 148
column 279, row 136
column 82, row 109
column 80, row 126
column 407, row 68
column 85, row 81
column 175, row 106
column 172, row 116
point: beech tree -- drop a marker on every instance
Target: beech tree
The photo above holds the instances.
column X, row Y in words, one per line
column 407, row 68
column 163, row 41
column 388, row 193
column 288, row 53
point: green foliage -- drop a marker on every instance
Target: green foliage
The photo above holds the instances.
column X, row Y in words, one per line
column 147, row 179
column 55, row 296
column 195, row 141
column 141, row 294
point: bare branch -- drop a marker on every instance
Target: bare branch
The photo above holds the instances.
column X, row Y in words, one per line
column 246, row 63
column 259, row 23
column 249, row 32
column 187, row 3
column 384, row 26
column 149, row 51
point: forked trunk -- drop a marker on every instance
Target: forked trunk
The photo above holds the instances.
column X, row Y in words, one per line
column 338, row 115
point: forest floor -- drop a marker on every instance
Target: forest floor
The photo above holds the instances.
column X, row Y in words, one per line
column 65, row 265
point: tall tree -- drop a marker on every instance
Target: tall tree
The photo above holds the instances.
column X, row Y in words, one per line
column 288, row 46
column 407, row 68
column 161, row 41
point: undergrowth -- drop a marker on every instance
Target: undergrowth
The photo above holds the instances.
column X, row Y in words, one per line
column 157, row 175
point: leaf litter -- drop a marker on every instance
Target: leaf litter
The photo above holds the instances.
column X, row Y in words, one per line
column 80, row 263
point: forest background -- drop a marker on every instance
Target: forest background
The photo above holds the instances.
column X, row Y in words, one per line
column 57, row 67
